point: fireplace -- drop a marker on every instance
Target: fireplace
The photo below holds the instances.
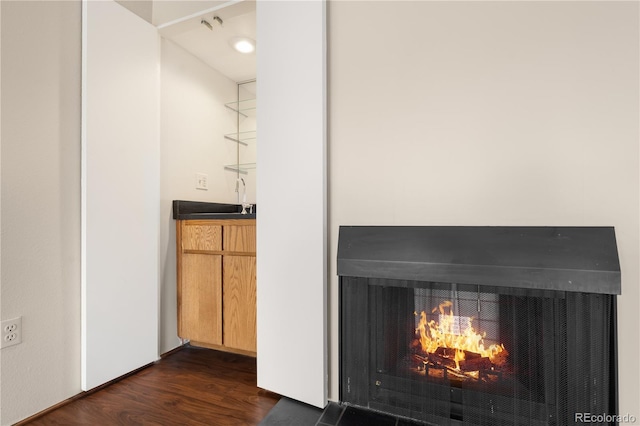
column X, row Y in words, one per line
column 479, row 325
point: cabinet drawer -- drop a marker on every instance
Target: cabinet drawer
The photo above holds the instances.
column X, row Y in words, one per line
column 240, row 238
column 201, row 236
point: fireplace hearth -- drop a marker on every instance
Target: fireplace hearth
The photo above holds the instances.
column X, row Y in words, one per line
column 479, row 325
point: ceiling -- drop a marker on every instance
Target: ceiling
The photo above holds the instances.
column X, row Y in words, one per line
column 181, row 22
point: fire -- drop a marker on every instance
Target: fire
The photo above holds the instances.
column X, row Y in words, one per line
column 455, row 333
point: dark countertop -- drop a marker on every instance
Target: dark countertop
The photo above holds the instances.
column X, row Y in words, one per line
column 198, row 210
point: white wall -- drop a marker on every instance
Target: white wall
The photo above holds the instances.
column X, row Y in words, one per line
column 488, row 113
column 193, row 122
column 40, row 230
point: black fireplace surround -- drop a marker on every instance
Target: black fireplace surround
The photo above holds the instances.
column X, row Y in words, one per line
column 480, row 325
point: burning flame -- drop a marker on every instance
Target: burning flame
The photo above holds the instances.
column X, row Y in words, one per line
column 451, row 332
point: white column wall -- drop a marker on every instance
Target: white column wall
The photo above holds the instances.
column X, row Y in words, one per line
column 291, row 199
column 121, row 192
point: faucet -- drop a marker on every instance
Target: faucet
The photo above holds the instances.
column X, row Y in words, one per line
column 244, row 196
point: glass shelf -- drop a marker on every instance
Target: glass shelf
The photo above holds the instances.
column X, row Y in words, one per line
column 242, row 107
column 240, row 168
column 243, row 138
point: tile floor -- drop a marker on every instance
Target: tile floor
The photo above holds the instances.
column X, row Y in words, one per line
column 288, row 412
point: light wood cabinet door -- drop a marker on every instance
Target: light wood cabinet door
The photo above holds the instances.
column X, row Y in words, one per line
column 240, row 238
column 239, row 302
column 200, row 301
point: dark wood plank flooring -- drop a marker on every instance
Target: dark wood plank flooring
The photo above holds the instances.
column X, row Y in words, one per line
column 192, row 386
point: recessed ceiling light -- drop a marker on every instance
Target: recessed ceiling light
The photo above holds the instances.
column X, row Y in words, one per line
column 243, row 44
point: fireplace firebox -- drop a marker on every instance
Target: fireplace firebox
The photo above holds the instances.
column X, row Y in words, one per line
column 479, row 325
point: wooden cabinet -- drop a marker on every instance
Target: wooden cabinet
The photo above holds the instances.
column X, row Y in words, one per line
column 217, row 283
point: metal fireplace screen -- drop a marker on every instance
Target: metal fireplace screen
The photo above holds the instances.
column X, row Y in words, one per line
column 451, row 354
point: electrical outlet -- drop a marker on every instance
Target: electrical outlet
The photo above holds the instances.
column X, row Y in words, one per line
column 201, row 181
column 11, row 332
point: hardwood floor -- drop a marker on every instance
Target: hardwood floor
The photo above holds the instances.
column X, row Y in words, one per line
column 192, row 386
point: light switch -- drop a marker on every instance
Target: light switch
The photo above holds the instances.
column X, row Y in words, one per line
column 201, row 181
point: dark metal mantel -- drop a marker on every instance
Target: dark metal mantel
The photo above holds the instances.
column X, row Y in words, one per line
column 579, row 259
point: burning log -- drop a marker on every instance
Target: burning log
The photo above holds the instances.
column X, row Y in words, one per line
column 435, row 360
column 443, row 361
column 420, row 358
column 451, row 353
column 451, row 332
column 501, row 359
column 419, row 362
column 471, row 355
column 451, row 346
column 475, row 364
column 446, row 352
